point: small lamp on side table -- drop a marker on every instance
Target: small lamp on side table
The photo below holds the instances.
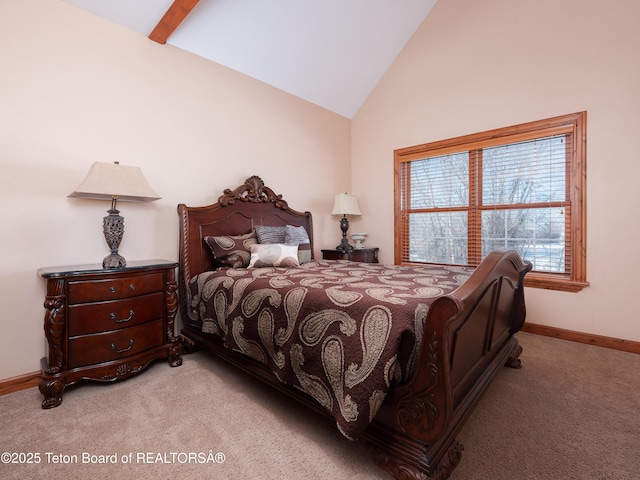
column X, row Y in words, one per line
column 106, row 181
column 345, row 204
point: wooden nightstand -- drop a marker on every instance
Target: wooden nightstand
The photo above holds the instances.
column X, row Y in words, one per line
column 107, row 324
column 365, row 255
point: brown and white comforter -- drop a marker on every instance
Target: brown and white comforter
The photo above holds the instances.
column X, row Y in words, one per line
column 343, row 332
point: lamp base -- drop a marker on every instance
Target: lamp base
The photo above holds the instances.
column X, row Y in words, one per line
column 113, row 226
column 114, row 260
column 344, row 245
column 344, row 226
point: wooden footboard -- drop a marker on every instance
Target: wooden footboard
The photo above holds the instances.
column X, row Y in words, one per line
column 468, row 337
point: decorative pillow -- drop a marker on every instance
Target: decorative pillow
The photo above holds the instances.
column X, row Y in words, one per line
column 270, row 234
column 273, row 255
column 298, row 236
column 232, row 251
column 304, row 253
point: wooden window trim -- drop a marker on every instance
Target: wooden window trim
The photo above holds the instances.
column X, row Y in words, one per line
column 574, row 124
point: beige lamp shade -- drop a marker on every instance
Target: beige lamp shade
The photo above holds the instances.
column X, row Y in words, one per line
column 345, row 204
column 107, row 180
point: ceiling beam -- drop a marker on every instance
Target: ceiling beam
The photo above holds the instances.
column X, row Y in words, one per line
column 177, row 12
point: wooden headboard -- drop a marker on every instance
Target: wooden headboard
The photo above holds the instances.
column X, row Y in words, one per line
column 236, row 212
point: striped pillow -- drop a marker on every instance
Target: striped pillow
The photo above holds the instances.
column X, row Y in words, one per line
column 298, row 236
column 267, row 234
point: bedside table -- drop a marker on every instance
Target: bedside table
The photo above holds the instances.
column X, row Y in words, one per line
column 107, row 324
column 365, row 255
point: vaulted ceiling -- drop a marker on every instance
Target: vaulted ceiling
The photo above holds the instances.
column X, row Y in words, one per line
column 329, row 52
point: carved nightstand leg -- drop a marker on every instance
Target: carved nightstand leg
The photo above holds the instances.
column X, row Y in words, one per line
column 175, row 352
column 52, row 389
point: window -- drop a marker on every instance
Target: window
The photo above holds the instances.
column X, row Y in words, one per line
column 521, row 187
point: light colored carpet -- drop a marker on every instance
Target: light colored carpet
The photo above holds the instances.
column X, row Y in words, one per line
column 570, row 413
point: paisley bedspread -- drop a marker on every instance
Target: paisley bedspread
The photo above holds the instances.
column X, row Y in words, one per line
column 343, row 332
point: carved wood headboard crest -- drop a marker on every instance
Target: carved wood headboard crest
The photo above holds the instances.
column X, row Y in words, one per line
column 252, row 190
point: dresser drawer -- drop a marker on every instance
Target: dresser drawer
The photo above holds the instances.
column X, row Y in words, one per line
column 98, row 317
column 114, row 345
column 114, row 288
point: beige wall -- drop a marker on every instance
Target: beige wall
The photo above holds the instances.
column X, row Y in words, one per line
column 474, row 66
column 75, row 89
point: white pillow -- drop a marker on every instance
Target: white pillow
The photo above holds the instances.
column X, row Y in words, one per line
column 273, row 255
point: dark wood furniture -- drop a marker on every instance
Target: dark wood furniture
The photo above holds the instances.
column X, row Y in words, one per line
column 366, row 255
column 468, row 336
column 107, row 324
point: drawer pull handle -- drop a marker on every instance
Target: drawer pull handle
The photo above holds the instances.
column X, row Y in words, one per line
column 123, row 320
column 132, row 287
column 113, row 347
column 112, row 289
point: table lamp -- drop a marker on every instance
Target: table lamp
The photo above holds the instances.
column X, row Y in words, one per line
column 345, row 204
column 112, row 181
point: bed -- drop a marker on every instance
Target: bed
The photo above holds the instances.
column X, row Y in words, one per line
column 397, row 356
